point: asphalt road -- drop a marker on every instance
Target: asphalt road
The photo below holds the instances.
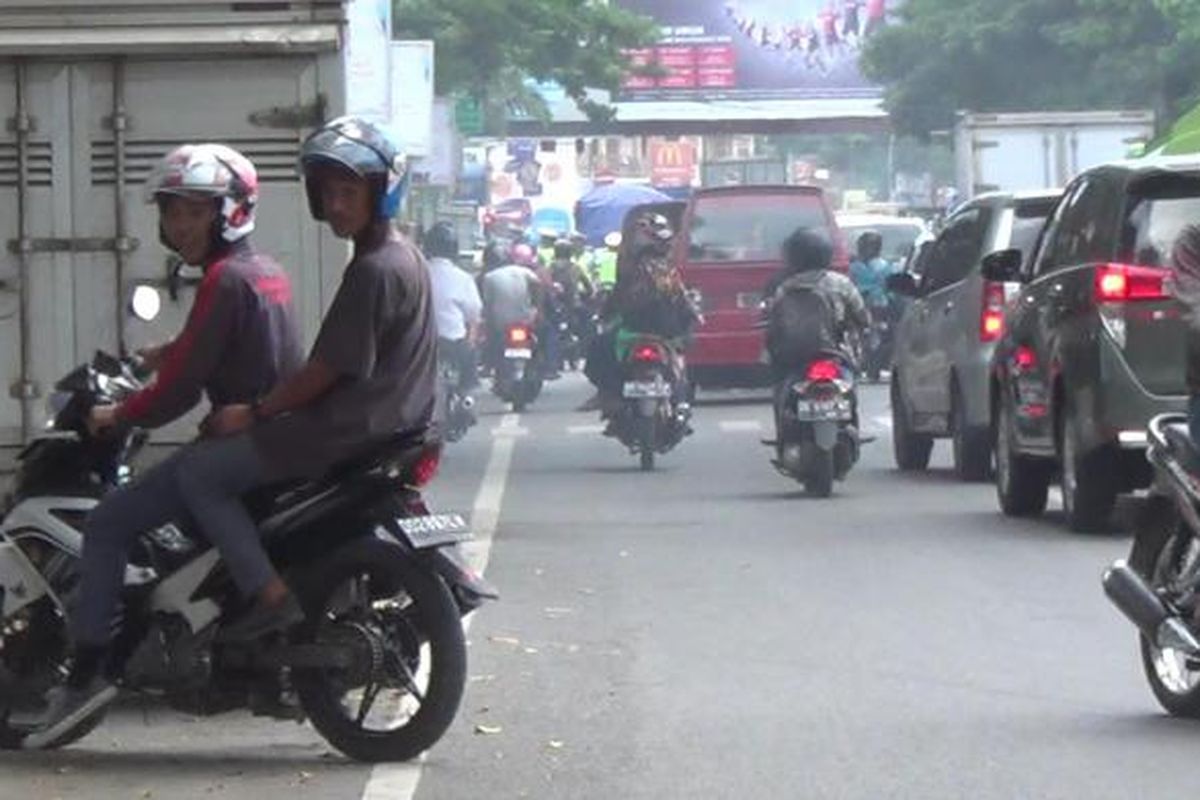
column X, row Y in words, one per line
column 706, row 631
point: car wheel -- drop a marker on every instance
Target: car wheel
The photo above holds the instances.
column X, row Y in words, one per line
column 972, row 446
column 911, row 449
column 1022, row 483
column 1088, row 489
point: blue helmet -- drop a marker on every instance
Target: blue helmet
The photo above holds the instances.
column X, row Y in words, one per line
column 365, row 148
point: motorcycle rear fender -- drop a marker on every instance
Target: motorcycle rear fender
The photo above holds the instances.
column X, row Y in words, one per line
column 825, row 435
column 469, row 588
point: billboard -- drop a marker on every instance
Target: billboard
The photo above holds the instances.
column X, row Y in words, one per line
column 756, row 49
column 412, row 95
column 367, row 53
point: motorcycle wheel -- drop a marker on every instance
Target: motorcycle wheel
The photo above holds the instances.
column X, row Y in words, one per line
column 819, row 481
column 646, row 443
column 404, row 625
column 1174, row 678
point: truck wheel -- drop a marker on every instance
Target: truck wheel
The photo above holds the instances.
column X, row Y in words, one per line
column 912, row 450
column 1022, row 483
column 1088, row 488
column 972, row 446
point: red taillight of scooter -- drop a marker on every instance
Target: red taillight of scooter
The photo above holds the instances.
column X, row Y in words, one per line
column 518, row 335
column 647, row 354
column 422, row 471
column 823, row 371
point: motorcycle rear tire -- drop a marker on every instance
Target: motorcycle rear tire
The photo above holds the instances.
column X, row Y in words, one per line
column 646, row 443
column 819, row 481
column 441, row 627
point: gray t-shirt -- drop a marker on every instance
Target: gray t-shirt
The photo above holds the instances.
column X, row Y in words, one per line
column 508, row 295
column 379, row 336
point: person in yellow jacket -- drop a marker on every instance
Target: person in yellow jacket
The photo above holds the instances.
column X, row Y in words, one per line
column 604, row 262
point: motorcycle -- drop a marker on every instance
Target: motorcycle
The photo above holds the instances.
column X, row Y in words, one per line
column 878, row 345
column 456, row 408
column 1158, row 587
column 816, row 428
column 518, row 378
column 378, row 666
column 653, row 416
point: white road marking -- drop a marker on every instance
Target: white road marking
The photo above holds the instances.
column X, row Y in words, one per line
column 740, row 425
column 399, row 781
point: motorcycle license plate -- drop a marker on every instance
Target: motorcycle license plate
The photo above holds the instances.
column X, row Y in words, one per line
column 640, row 389
column 836, row 410
column 434, row 530
column 517, row 352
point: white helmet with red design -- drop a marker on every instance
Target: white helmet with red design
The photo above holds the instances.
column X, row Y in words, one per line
column 210, row 170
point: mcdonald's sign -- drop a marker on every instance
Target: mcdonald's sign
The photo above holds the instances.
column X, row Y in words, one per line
column 672, row 162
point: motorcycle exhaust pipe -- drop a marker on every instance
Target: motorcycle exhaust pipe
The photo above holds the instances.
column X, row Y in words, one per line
column 468, row 403
column 1134, row 598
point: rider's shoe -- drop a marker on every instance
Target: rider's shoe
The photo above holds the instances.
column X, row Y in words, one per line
column 69, row 706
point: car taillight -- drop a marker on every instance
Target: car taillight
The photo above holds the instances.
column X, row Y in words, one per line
column 1121, row 283
column 647, row 354
column 823, row 371
column 423, row 470
column 518, row 335
column 991, row 320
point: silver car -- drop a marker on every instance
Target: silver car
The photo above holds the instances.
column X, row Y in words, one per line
column 954, row 318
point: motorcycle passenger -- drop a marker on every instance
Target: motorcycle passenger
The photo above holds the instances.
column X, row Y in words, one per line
column 546, row 239
column 239, row 340
column 870, row 272
column 512, row 294
column 648, row 299
column 807, row 257
column 1185, row 286
column 371, row 373
column 457, row 306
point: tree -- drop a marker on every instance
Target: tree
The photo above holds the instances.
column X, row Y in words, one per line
column 1035, row 55
column 489, row 49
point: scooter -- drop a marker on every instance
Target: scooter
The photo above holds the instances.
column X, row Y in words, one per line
column 654, row 415
column 1158, row 587
column 518, row 379
column 816, row 424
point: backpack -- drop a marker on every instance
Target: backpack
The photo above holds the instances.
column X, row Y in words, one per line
column 801, row 325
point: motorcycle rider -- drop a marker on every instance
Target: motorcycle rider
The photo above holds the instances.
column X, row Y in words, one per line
column 1185, row 286
column 512, row 295
column 807, row 257
column 606, row 261
column 239, row 340
column 648, row 299
column 457, row 306
column 870, row 272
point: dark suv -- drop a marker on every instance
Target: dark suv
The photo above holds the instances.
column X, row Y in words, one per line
column 1094, row 345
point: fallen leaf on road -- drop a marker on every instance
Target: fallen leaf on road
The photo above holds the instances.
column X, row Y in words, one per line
column 146, row 794
column 539, row 572
column 624, row 554
column 587, row 591
column 305, row 777
column 481, row 678
column 555, row 744
column 531, row 650
column 572, row 648
column 504, row 640
column 488, row 730
column 559, row 611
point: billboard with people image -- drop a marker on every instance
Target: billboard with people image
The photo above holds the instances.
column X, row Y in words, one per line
column 756, row 49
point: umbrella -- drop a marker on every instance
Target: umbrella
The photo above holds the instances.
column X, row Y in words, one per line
column 602, row 210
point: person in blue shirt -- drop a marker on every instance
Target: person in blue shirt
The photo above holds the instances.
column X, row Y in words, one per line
column 870, row 271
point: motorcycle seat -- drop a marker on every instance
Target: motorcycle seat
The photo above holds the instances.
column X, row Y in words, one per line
column 1182, row 447
column 402, row 446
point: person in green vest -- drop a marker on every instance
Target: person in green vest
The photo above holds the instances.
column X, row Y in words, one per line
column 604, row 262
column 545, row 249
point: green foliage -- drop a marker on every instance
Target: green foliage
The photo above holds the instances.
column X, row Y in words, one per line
column 983, row 55
column 489, row 48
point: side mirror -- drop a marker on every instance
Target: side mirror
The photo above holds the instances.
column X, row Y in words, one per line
column 903, row 284
column 1004, row 266
column 145, row 303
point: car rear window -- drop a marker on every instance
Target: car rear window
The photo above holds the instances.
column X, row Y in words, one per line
column 1157, row 211
column 739, row 228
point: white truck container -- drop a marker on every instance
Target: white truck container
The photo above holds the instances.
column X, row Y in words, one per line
column 91, row 95
column 1027, row 151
